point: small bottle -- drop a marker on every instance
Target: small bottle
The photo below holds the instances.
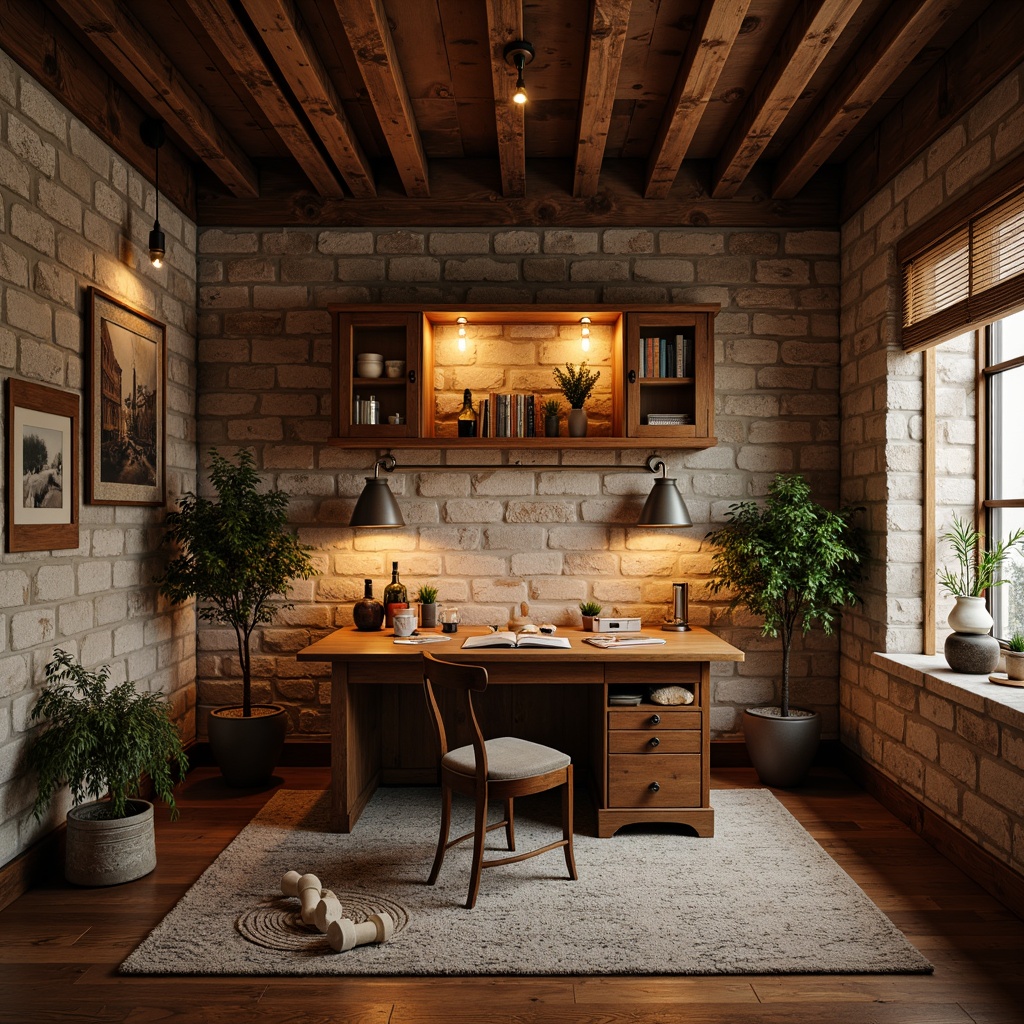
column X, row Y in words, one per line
column 357, row 411
column 368, row 614
column 467, row 418
column 395, row 597
column 373, row 410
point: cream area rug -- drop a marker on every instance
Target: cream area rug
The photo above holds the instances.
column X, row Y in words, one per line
column 761, row 897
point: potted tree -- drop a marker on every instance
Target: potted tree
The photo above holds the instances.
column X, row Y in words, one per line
column 576, row 385
column 235, row 556
column 795, row 564
column 100, row 742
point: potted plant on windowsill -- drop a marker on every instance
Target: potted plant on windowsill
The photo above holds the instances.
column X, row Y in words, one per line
column 590, row 611
column 1014, row 656
column 235, row 556
column 795, row 564
column 576, row 385
column 100, row 743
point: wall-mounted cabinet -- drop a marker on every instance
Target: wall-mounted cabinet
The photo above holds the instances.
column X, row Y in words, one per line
column 656, row 365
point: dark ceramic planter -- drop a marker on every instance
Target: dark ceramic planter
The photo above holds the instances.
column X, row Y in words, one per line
column 781, row 749
column 247, row 749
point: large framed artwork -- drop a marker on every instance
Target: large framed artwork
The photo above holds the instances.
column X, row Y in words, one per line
column 42, row 467
column 127, row 374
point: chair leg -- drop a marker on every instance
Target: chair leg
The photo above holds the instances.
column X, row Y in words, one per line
column 479, row 837
column 567, row 821
column 442, row 841
column 510, row 824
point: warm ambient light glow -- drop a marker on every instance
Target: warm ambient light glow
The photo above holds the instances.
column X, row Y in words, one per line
column 519, row 96
column 585, row 332
column 462, row 333
column 519, row 54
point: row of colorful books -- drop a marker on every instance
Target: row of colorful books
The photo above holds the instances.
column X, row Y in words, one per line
column 508, row 415
column 666, row 357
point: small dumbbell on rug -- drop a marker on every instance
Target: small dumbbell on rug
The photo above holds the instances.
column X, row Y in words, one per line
column 322, row 908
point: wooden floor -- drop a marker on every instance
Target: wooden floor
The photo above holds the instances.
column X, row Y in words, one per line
column 60, row 946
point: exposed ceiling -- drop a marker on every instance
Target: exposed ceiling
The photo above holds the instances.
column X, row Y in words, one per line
column 391, row 111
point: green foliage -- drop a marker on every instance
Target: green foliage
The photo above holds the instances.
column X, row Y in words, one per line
column 576, row 384
column 1016, row 642
column 33, row 453
column 590, row 608
column 235, row 554
column 790, row 561
column 551, row 407
column 427, row 594
column 975, row 574
column 100, row 741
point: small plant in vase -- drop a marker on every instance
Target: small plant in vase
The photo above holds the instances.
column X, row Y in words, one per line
column 590, row 611
column 427, row 598
column 576, row 384
column 1015, row 657
column 551, row 413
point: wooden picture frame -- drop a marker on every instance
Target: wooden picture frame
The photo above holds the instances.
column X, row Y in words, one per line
column 127, row 413
column 42, row 467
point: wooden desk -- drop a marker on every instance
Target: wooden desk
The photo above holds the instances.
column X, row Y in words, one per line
column 650, row 763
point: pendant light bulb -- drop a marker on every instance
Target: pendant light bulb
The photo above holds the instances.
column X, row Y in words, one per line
column 585, row 332
column 153, row 135
column 519, row 54
column 462, row 333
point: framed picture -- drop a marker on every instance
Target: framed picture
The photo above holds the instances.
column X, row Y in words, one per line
column 42, row 467
column 127, row 375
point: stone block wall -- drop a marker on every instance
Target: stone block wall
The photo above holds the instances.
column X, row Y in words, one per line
column 887, row 715
column 74, row 214
column 494, row 538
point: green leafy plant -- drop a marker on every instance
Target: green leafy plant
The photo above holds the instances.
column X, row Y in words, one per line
column 100, row 742
column 551, row 407
column 235, row 555
column 1016, row 643
column 590, row 608
column 790, row 561
column 975, row 573
column 427, row 594
column 576, row 384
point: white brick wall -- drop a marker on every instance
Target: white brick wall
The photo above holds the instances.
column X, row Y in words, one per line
column 73, row 214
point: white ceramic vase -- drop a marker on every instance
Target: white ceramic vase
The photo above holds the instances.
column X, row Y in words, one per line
column 969, row 615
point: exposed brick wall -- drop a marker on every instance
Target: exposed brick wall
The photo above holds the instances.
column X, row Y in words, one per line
column 495, row 538
column 73, row 214
column 892, row 718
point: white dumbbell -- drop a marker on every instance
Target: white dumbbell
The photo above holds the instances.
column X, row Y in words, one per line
column 344, row 933
column 327, row 910
column 309, row 896
column 290, row 883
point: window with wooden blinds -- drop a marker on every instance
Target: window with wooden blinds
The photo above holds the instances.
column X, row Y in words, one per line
column 969, row 276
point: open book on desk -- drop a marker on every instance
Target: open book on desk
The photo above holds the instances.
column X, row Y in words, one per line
column 615, row 640
column 506, row 638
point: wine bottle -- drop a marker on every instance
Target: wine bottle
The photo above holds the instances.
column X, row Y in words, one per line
column 368, row 614
column 467, row 418
column 395, row 597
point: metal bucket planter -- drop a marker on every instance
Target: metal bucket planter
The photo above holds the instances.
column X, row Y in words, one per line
column 247, row 749
column 781, row 749
column 109, row 851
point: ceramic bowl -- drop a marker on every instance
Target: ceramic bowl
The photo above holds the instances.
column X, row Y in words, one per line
column 369, row 364
column 395, row 367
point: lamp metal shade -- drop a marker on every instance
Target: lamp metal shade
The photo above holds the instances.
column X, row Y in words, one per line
column 376, row 506
column 664, row 506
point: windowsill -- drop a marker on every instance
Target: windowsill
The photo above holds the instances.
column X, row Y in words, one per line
column 1001, row 703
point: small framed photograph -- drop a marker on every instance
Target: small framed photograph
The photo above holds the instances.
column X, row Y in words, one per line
column 42, row 467
column 127, row 381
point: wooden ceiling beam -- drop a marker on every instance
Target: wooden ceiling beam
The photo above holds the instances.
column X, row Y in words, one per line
column 606, row 38
column 218, row 21
column 896, row 40
column 504, row 26
column 131, row 51
column 711, row 41
column 366, row 25
column 296, row 56
column 805, row 43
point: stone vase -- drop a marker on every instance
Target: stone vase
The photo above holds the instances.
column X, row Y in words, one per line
column 428, row 615
column 577, row 422
column 109, row 851
column 969, row 615
column 1014, row 664
column 971, row 653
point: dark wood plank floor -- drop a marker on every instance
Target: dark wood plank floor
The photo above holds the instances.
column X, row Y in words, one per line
column 60, row 946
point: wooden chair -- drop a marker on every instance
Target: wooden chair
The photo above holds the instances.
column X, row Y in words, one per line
column 498, row 769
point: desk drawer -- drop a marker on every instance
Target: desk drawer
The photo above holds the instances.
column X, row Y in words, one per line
column 655, row 718
column 640, row 741
column 631, row 777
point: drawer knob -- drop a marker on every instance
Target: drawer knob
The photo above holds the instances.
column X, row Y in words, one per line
column 653, row 741
column 654, row 787
column 655, row 719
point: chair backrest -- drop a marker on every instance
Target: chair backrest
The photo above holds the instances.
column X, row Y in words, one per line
column 464, row 680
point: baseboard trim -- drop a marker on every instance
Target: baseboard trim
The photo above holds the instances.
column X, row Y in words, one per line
column 32, row 867
column 995, row 876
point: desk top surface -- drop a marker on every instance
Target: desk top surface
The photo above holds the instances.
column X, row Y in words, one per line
column 349, row 644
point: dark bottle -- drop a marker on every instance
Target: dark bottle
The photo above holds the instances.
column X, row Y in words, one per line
column 368, row 614
column 395, row 597
column 467, row 418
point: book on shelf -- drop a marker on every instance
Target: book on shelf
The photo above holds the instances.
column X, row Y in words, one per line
column 606, row 641
column 506, row 638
